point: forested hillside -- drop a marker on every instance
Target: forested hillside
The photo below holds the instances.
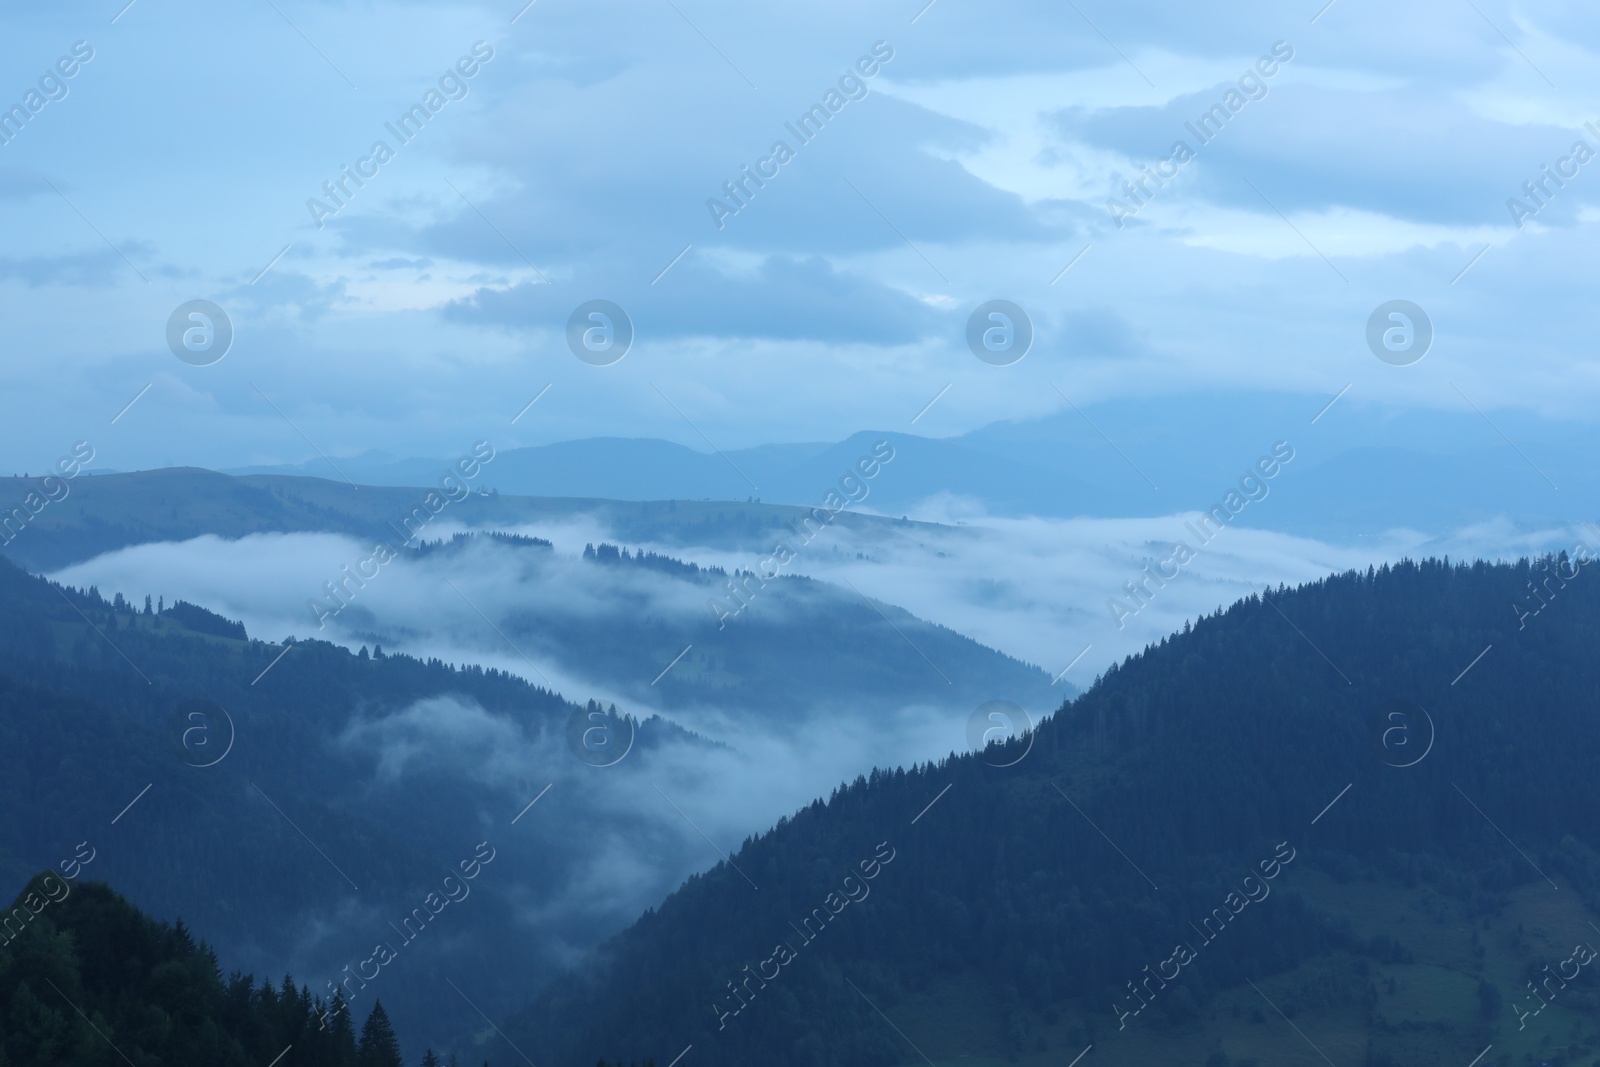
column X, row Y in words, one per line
column 298, row 802
column 105, row 512
column 778, row 648
column 1365, row 805
column 783, row 649
column 292, row 799
column 86, row 980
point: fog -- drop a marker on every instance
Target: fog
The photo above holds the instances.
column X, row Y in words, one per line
column 1037, row 589
column 604, row 843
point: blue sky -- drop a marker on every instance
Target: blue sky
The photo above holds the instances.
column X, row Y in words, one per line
column 577, row 163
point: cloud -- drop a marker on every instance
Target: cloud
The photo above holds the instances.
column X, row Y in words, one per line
column 18, row 183
column 286, row 294
column 443, row 729
column 92, row 269
column 782, row 298
column 612, row 841
column 1038, row 588
column 620, row 848
column 1401, row 152
column 588, row 148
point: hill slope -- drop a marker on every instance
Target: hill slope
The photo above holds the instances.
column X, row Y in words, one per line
column 86, row 980
column 1309, row 794
column 299, row 802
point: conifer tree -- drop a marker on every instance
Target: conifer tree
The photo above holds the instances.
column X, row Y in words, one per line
column 343, row 1038
column 379, row 1046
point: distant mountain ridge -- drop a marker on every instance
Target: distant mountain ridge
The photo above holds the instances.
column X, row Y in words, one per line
column 112, row 511
column 1359, row 472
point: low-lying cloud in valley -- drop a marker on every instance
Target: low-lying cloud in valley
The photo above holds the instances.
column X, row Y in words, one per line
column 599, row 844
column 1042, row 590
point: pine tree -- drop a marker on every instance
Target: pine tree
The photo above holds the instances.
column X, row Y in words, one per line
column 342, row 1040
column 180, row 935
column 379, row 1046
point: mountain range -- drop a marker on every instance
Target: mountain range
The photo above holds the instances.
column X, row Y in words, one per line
column 1359, row 469
column 1330, row 782
column 1343, row 823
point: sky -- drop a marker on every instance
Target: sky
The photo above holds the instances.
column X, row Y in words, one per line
column 1358, row 154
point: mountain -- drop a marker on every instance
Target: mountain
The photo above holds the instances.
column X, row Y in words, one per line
column 299, row 801
column 797, row 475
column 1358, row 469
column 799, row 645
column 110, row 511
column 1346, row 823
column 272, row 797
column 674, row 636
